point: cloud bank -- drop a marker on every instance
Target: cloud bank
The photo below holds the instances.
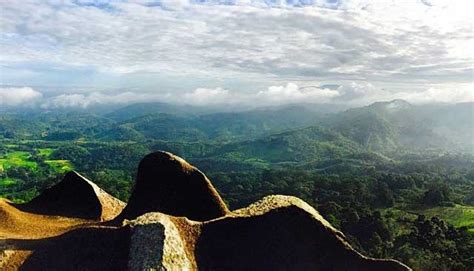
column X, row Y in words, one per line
column 14, row 96
column 356, row 94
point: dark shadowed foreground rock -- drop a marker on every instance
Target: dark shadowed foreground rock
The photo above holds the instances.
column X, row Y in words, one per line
column 279, row 233
column 166, row 183
column 77, row 197
column 92, row 248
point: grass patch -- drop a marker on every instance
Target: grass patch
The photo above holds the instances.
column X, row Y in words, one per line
column 11, row 146
column 60, row 165
column 400, row 219
column 17, row 159
column 7, row 182
column 459, row 215
column 45, row 152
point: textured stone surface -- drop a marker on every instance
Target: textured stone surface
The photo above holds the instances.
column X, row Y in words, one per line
column 156, row 244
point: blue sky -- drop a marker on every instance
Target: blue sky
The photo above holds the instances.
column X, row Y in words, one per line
column 59, row 53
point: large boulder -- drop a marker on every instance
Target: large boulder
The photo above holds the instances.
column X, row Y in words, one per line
column 166, row 183
column 75, row 196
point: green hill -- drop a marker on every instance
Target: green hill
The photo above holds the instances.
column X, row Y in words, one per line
column 307, row 144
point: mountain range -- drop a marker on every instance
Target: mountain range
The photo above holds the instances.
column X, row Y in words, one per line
column 380, row 127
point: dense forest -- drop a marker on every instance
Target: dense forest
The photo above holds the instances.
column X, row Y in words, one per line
column 397, row 179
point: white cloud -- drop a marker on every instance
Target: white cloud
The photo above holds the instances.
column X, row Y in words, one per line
column 97, row 98
column 68, row 100
column 437, row 95
column 363, row 93
column 376, row 50
column 355, row 93
column 291, row 93
column 209, row 96
column 366, row 93
column 274, row 95
column 15, row 96
column 384, row 40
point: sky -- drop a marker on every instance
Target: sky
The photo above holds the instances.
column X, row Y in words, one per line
column 60, row 53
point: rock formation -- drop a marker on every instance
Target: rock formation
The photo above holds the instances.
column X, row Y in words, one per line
column 166, row 183
column 30, row 229
column 175, row 220
column 75, row 196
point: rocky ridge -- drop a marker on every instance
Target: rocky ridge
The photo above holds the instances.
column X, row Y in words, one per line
column 174, row 220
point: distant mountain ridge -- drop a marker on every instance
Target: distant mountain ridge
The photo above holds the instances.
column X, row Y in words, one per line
column 386, row 126
column 142, row 109
column 380, row 127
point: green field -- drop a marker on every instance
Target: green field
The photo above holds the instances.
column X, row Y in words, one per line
column 14, row 158
column 459, row 215
column 45, row 152
column 7, row 182
column 60, row 165
column 17, row 159
column 11, row 145
column 23, row 159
